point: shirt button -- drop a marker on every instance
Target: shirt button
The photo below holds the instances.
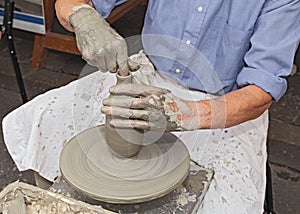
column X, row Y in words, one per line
column 200, row 9
column 177, row 70
column 188, row 42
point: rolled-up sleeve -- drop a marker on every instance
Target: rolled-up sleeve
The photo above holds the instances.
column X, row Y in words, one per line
column 104, row 7
column 273, row 45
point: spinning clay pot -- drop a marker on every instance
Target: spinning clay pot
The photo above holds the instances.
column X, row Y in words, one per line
column 123, row 142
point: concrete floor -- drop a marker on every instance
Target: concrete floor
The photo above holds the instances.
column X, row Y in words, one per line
column 61, row 68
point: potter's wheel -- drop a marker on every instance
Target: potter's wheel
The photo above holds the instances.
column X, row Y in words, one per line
column 88, row 166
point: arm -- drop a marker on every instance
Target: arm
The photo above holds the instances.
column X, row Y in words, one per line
column 233, row 108
column 147, row 107
column 269, row 61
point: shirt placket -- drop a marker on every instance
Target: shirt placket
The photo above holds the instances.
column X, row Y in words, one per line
column 190, row 36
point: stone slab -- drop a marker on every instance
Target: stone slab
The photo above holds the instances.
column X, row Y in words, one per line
column 289, row 106
column 183, row 200
column 57, row 60
column 23, row 48
column 284, row 154
column 284, row 132
column 9, row 101
column 55, row 79
column 286, row 188
column 75, row 65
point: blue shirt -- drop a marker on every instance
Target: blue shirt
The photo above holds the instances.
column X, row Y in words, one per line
column 218, row 46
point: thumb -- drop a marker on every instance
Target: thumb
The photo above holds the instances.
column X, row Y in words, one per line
column 129, row 66
column 133, row 66
column 123, row 68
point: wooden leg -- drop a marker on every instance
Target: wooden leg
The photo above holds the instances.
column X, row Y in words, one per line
column 39, row 55
column 122, row 9
column 143, row 2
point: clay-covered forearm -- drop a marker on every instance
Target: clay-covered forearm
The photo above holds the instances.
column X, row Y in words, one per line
column 64, row 8
column 233, row 108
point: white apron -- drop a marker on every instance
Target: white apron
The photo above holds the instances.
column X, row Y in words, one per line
column 35, row 134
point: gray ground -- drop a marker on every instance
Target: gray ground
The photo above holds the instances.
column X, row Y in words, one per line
column 61, row 68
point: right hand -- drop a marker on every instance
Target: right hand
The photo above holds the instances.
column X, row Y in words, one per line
column 99, row 44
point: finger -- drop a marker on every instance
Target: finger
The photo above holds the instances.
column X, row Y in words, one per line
column 126, row 102
column 113, row 70
column 123, row 69
column 133, row 66
column 111, row 64
column 110, row 55
column 126, row 113
column 122, row 57
column 137, row 90
column 123, row 123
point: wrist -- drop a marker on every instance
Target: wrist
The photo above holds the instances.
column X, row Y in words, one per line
column 200, row 113
column 77, row 7
column 65, row 8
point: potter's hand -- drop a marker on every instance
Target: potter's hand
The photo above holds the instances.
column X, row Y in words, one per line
column 99, row 44
column 147, row 107
column 64, row 8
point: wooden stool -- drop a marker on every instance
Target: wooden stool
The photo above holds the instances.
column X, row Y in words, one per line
column 66, row 43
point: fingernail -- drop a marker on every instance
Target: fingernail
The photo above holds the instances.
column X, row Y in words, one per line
column 103, row 110
column 104, row 102
column 111, row 89
column 112, row 123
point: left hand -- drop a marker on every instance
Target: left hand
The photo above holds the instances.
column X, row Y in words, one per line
column 147, row 107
